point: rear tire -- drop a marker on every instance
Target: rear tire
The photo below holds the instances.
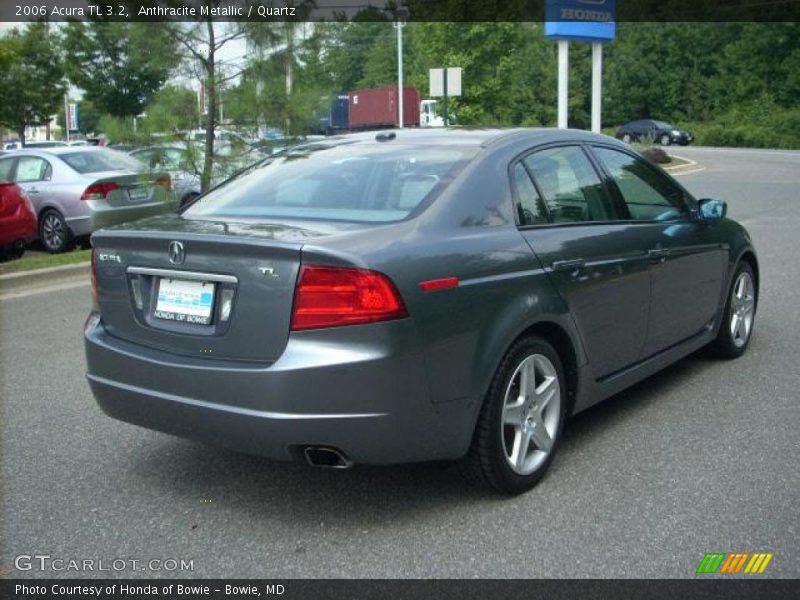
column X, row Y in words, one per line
column 54, row 233
column 521, row 420
column 627, row 138
column 738, row 320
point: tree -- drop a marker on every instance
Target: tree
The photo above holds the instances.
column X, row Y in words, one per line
column 31, row 77
column 201, row 43
column 173, row 109
column 282, row 41
column 119, row 65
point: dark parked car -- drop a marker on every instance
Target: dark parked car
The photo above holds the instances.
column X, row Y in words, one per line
column 657, row 131
column 414, row 295
column 17, row 220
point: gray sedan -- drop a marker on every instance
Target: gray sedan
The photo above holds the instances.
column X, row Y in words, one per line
column 415, row 295
column 76, row 190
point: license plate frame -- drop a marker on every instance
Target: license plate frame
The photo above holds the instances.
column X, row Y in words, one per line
column 185, row 300
column 138, row 194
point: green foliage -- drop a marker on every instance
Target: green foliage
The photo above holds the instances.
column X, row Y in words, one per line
column 119, row 130
column 31, row 76
column 119, row 65
column 760, row 123
column 173, row 109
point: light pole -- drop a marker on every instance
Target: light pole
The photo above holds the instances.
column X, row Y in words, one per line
column 400, row 21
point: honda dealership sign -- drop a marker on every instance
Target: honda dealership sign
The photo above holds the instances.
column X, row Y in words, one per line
column 581, row 20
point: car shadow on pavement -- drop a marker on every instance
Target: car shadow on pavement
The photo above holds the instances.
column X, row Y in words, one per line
column 259, row 488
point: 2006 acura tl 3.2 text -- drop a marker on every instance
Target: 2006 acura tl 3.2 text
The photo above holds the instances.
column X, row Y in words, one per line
column 414, row 295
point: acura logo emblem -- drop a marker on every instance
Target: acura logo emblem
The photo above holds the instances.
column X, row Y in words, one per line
column 176, row 253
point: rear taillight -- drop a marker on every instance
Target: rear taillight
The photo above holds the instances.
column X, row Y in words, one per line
column 95, row 296
column 98, row 191
column 165, row 181
column 334, row 296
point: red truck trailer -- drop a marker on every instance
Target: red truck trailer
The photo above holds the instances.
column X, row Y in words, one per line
column 378, row 107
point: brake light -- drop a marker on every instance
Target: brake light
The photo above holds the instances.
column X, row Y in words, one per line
column 335, row 296
column 165, row 181
column 95, row 295
column 98, row 191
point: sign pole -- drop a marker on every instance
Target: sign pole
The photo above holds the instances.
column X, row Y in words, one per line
column 400, row 94
column 445, row 96
column 66, row 117
column 597, row 86
column 563, row 83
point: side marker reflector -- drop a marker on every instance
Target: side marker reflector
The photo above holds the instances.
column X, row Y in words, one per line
column 438, row 284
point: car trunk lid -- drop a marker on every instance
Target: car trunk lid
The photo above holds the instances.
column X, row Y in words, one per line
column 200, row 288
column 127, row 188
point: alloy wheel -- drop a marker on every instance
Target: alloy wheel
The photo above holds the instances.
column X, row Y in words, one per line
column 531, row 414
column 53, row 233
column 743, row 306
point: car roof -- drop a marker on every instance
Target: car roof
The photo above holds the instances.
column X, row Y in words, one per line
column 462, row 136
column 57, row 150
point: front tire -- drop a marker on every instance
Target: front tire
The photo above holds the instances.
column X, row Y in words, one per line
column 521, row 420
column 738, row 319
column 665, row 140
column 54, row 233
column 627, row 138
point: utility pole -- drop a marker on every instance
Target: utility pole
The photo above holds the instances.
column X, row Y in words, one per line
column 401, row 17
column 597, row 85
column 563, row 84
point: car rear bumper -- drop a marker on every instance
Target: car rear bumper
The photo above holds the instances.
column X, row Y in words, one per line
column 367, row 397
column 17, row 227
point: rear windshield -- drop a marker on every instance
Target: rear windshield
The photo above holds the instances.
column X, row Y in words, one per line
column 96, row 161
column 353, row 182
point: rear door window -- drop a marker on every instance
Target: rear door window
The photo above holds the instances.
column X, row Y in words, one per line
column 32, row 168
column 530, row 207
column 572, row 189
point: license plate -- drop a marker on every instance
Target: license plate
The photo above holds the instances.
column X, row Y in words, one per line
column 139, row 193
column 185, row 301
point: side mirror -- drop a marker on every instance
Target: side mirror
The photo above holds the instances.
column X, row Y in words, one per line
column 712, row 210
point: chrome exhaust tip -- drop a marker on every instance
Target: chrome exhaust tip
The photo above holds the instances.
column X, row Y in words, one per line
column 326, row 457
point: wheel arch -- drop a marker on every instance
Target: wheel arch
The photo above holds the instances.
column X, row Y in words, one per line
column 48, row 207
column 749, row 257
column 557, row 336
column 554, row 331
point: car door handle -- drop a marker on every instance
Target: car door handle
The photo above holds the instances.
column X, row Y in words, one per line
column 658, row 254
column 33, row 191
column 568, row 265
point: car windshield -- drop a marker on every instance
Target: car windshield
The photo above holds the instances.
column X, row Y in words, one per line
column 663, row 125
column 96, row 161
column 348, row 182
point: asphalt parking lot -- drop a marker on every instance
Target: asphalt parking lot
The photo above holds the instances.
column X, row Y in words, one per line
column 704, row 457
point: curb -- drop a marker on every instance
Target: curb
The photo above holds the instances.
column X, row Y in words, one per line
column 13, row 282
column 690, row 166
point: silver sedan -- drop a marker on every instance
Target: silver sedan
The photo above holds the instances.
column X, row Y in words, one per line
column 76, row 190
